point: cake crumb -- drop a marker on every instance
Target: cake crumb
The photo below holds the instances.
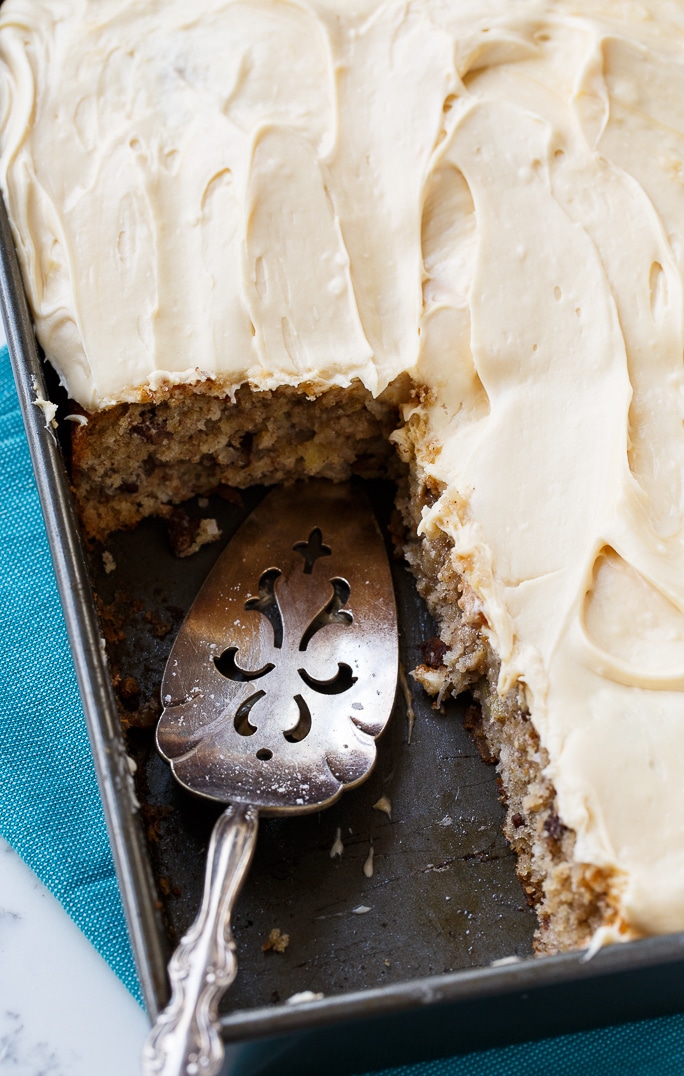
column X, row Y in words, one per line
column 108, row 562
column 187, row 535
column 337, row 848
column 303, row 996
column 276, row 941
column 49, row 411
column 384, row 805
column 368, row 865
column 208, row 531
column 408, row 698
column 48, row 408
column 432, row 681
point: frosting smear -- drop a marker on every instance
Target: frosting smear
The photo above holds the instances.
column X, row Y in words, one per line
column 485, row 194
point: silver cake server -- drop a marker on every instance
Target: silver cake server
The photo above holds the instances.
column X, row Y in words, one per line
column 283, row 674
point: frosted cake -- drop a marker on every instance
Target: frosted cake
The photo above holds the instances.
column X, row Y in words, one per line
column 259, row 237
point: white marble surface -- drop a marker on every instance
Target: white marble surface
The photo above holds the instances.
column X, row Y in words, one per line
column 63, row 1012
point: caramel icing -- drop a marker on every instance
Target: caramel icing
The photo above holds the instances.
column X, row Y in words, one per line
column 486, row 194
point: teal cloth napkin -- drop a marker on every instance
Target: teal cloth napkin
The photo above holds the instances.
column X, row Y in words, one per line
column 50, row 810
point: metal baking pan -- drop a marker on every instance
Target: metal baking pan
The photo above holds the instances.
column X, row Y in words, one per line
column 413, row 976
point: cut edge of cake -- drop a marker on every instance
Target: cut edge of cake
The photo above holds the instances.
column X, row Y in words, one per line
column 577, row 904
column 140, row 459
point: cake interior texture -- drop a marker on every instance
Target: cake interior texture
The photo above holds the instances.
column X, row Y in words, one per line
column 573, row 900
column 136, row 460
column 139, row 459
column 442, row 240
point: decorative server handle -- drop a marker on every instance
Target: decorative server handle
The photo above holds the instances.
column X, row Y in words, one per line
column 185, row 1040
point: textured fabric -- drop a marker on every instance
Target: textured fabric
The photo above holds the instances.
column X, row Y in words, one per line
column 50, row 809
column 646, row 1048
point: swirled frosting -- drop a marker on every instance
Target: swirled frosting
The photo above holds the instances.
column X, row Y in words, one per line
column 486, row 194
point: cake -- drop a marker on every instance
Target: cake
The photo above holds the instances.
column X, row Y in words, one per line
column 269, row 240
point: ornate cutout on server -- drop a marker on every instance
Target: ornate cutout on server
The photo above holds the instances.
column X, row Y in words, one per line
column 268, row 605
column 286, row 674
